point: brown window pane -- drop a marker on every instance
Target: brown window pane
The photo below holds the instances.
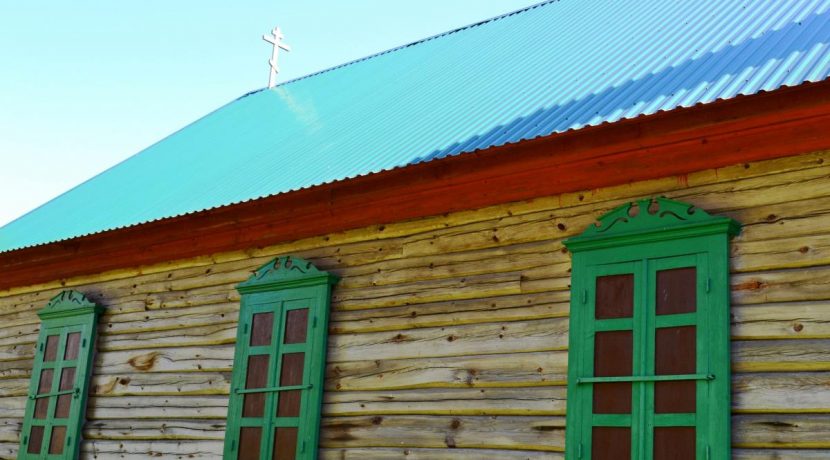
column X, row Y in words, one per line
column 58, row 440
column 44, row 386
column 249, row 441
column 262, row 329
column 613, row 352
column 675, row 350
column 296, row 325
column 675, row 354
column 257, row 377
column 674, row 443
column 610, row 443
column 677, row 291
column 675, row 397
column 289, row 403
column 65, row 401
column 292, row 369
column 51, row 352
column 73, row 343
column 35, row 440
column 615, row 296
column 285, row 443
column 612, row 398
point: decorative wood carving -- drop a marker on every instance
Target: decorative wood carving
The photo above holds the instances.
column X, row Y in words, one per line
column 286, row 270
column 68, row 303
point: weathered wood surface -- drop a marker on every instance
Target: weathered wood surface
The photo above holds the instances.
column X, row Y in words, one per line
column 805, row 431
column 487, row 432
column 435, row 454
column 779, row 454
column 450, row 330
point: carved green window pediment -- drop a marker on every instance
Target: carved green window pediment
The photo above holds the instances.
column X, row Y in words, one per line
column 56, row 405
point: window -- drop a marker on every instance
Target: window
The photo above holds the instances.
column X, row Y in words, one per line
column 277, row 383
column 649, row 341
column 58, row 390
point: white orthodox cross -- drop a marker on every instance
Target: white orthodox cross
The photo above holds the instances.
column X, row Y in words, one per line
column 276, row 40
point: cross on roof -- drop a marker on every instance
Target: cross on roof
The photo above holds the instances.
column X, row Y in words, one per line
column 276, row 40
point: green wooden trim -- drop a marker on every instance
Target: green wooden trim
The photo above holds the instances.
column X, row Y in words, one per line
column 273, row 389
column 611, row 420
column 646, row 378
column 66, row 313
column 282, row 285
column 69, row 304
column 668, row 235
column 656, row 219
column 284, row 273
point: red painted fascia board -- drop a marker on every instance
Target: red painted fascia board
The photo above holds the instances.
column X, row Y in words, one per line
column 784, row 122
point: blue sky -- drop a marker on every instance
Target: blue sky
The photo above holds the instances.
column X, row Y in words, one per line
column 85, row 84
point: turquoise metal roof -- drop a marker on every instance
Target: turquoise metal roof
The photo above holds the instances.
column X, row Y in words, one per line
column 552, row 67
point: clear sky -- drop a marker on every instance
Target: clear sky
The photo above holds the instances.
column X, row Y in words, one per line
column 85, row 84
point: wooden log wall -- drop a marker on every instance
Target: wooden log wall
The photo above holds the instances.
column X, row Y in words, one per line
column 449, row 334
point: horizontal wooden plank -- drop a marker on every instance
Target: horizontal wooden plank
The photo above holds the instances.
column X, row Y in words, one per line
column 463, row 340
column 787, row 431
column 182, row 359
column 14, row 387
column 780, row 355
column 158, row 407
column 137, row 450
column 779, row 454
column 792, row 285
column 476, row 286
column 791, row 320
column 157, row 429
column 161, row 384
column 786, row 392
column 453, row 401
column 8, row 450
column 10, row 428
column 219, row 333
column 511, row 370
column 409, row 453
column 494, row 432
column 453, row 312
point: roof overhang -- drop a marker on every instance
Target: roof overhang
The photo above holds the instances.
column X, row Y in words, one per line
column 785, row 122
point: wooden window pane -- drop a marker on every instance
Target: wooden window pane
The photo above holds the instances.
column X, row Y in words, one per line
column 289, row 403
column 615, row 296
column 675, row 353
column 58, row 440
column 677, row 291
column 73, row 344
column 674, row 443
column 65, row 401
column 613, row 352
column 35, row 440
column 44, row 386
column 51, row 352
column 292, row 369
column 296, row 325
column 262, row 329
column 610, row 443
column 257, row 377
column 285, row 443
column 249, row 443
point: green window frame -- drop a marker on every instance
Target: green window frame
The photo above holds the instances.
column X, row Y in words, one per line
column 649, row 356
column 277, row 383
column 56, row 405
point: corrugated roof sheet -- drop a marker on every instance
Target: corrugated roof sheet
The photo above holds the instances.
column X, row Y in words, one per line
column 550, row 68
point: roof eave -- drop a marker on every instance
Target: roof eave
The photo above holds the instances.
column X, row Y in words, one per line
column 785, row 122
